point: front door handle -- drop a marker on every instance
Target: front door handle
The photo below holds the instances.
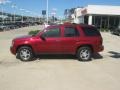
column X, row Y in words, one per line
column 77, row 40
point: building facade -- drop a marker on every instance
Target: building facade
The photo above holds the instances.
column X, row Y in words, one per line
column 102, row 16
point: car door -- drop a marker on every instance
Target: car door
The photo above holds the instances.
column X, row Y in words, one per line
column 52, row 42
column 70, row 37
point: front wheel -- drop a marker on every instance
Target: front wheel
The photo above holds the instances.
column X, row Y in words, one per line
column 25, row 53
column 84, row 54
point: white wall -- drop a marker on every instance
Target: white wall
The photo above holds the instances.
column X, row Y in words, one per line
column 90, row 20
column 77, row 16
column 78, row 12
column 95, row 9
column 103, row 9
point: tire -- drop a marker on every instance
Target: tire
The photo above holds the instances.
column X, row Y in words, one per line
column 25, row 53
column 84, row 53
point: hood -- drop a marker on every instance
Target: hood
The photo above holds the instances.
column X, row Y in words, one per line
column 24, row 37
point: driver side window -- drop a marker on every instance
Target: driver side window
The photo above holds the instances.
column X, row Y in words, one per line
column 54, row 32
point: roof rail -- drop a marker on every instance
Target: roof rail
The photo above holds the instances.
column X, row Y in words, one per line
column 67, row 23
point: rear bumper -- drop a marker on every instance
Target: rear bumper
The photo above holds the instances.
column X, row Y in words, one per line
column 101, row 48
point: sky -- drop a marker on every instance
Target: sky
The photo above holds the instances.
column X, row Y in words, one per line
column 35, row 7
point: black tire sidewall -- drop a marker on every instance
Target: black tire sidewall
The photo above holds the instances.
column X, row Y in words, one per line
column 83, row 48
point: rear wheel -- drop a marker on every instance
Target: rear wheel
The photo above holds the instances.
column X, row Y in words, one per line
column 25, row 53
column 84, row 53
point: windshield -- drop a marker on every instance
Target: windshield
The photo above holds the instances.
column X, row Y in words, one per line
column 41, row 31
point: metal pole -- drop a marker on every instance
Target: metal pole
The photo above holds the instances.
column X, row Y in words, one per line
column 47, row 11
column 22, row 18
column 14, row 7
column 101, row 23
column 14, row 17
column 108, row 21
column 2, row 15
column 39, row 19
column 119, row 22
column 22, row 14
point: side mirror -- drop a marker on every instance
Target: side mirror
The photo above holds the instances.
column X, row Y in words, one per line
column 42, row 37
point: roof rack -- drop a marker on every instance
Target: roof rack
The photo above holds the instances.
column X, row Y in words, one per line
column 67, row 23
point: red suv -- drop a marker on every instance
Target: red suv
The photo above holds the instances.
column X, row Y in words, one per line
column 76, row 39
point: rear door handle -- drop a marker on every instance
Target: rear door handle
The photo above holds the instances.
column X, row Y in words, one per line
column 57, row 40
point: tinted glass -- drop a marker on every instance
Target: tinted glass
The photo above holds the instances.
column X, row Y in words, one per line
column 91, row 31
column 70, row 32
column 55, row 32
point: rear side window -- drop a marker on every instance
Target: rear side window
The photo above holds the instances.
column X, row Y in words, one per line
column 70, row 32
column 91, row 31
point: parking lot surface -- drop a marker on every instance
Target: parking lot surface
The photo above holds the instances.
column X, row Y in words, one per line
column 59, row 72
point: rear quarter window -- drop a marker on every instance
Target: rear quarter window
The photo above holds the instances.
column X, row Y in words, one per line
column 91, row 31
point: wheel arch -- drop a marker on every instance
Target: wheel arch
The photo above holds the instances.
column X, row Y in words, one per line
column 24, row 46
column 85, row 45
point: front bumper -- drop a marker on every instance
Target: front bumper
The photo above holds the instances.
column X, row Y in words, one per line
column 12, row 50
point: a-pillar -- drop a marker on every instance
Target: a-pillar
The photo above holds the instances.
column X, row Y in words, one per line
column 90, row 20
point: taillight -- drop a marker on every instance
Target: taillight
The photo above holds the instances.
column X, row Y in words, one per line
column 101, row 41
